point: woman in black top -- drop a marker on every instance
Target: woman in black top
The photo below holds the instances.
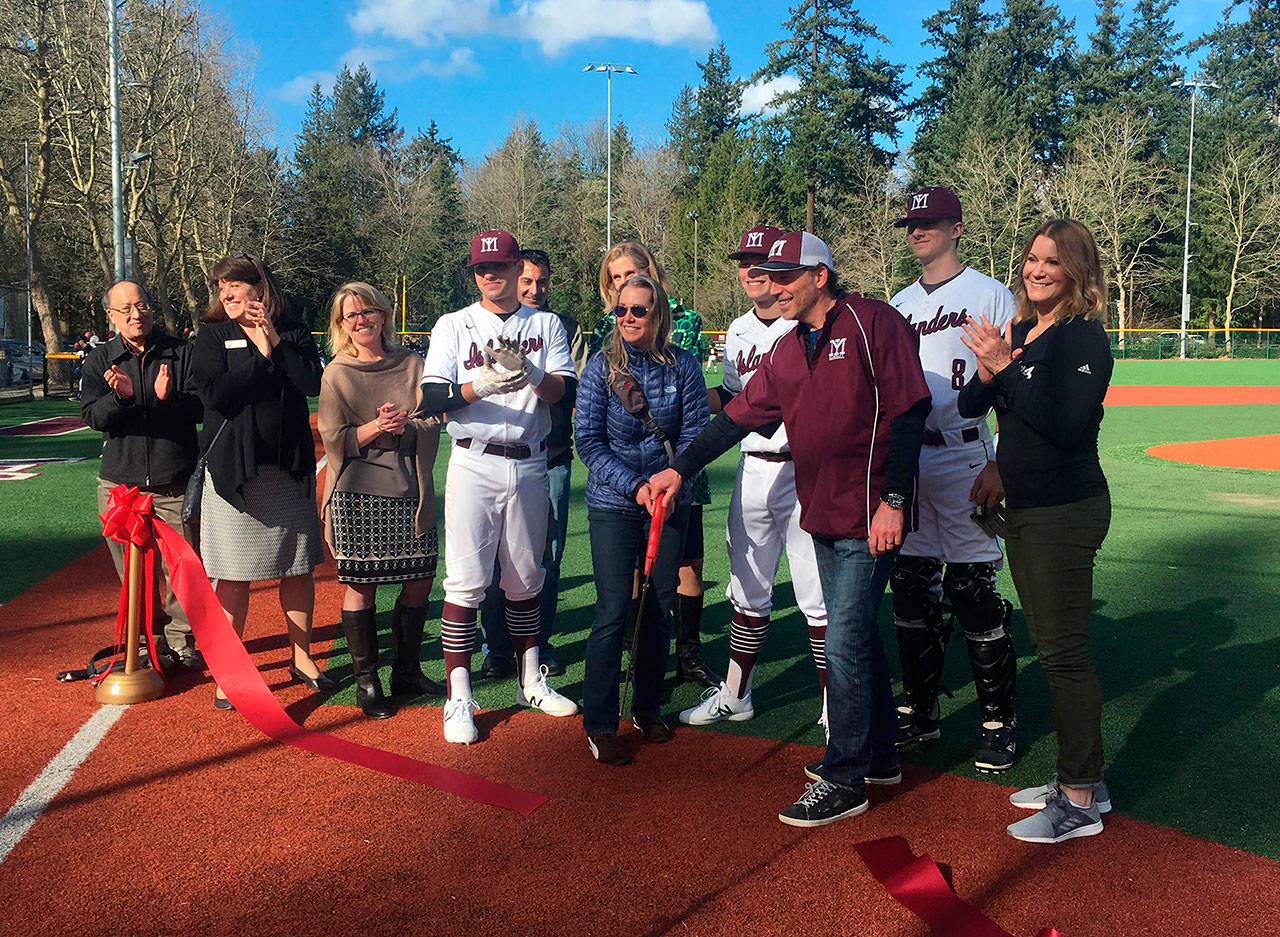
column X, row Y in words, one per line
column 254, row 368
column 1046, row 377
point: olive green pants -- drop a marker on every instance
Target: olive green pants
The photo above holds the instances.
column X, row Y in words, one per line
column 1051, row 554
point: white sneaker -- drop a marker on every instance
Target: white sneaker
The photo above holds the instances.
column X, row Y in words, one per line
column 459, row 727
column 540, row 696
column 719, row 705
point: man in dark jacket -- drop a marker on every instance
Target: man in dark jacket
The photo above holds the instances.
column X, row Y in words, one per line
column 135, row 392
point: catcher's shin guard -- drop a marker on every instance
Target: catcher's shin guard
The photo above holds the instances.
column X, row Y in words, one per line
column 922, row 635
column 984, row 617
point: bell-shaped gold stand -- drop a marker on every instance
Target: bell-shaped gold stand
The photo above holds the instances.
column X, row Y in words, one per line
column 136, row 684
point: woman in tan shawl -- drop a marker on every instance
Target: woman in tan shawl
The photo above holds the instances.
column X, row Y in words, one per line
column 379, row 507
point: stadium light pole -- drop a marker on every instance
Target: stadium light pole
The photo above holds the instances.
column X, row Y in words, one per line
column 113, row 93
column 1195, row 85
column 608, row 68
column 693, row 216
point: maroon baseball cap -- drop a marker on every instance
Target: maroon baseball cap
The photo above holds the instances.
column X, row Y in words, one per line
column 757, row 241
column 494, row 247
column 796, row 250
column 931, row 204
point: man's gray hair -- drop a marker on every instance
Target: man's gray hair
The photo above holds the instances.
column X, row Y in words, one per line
column 106, row 294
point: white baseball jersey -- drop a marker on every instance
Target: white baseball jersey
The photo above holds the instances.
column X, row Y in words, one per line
column 937, row 318
column 454, row 356
column 746, row 343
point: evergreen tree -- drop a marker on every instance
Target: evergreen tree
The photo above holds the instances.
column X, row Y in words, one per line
column 1150, row 46
column 849, row 102
column 1244, row 60
column 959, row 33
column 1102, row 81
column 1032, row 57
column 700, row 116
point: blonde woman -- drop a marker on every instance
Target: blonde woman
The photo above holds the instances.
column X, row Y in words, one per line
column 621, row 452
column 1047, row 376
column 625, row 260
column 379, row 506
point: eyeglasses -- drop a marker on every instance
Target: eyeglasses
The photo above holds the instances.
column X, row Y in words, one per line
column 134, row 310
column 638, row 312
column 362, row 314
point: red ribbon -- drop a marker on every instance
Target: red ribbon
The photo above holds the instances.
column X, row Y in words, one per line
column 125, row 521
column 235, row 672
column 917, row 884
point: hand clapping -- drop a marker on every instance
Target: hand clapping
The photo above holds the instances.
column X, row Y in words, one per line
column 994, row 352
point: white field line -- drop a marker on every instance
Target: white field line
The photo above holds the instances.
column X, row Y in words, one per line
column 33, row 801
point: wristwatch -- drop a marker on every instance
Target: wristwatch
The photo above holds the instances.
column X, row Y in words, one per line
column 894, row 500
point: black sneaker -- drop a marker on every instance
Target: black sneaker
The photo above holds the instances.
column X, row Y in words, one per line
column 497, row 668
column 825, row 803
column 189, row 658
column 890, row 775
column 914, row 727
column 607, row 750
column 995, row 748
column 547, row 659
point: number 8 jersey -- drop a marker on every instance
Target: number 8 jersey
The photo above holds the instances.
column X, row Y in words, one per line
column 937, row 317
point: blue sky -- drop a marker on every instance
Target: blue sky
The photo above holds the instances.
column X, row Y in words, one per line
column 475, row 66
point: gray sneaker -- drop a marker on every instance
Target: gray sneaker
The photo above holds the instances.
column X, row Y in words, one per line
column 1059, row 820
column 1035, row 798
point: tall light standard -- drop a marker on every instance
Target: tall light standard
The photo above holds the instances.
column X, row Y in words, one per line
column 693, row 216
column 1195, row 85
column 117, row 182
column 608, row 68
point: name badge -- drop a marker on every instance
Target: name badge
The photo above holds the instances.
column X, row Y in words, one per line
column 236, row 343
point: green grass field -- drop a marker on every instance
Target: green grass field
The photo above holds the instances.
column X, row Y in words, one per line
column 1186, row 626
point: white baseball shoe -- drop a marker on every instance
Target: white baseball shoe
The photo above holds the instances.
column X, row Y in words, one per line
column 719, row 705
column 539, row 695
column 459, row 726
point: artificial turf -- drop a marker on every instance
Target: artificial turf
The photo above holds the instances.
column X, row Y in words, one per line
column 1186, row 607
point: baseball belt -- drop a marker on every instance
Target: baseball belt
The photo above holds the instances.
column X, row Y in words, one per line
column 771, row 456
column 934, row 438
column 512, row 451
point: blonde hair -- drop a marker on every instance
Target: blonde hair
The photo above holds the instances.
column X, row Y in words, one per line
column 1078, row 255
column 615, row 349
column 338, row 340
column 645, row 264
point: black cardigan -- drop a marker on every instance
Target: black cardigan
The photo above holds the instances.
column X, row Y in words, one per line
column 245, row 390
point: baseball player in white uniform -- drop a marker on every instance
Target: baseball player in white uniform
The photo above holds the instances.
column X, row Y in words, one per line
column 764, row 512
column 494, row 367
column 957, row 473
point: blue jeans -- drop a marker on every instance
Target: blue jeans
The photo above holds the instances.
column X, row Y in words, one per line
column 617, row 539
column 860, row 710
column 493, row 618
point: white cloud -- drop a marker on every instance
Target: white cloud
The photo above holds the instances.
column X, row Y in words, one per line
column 369, row 56
column 297, row 90
column 423, row 22
column 460, row 62
column 557, row 24
column 554, row 25
column 758, row 97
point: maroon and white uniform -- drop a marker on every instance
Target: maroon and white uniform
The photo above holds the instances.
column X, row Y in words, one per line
column 956, row 449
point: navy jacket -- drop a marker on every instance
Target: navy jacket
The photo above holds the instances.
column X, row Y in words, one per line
column 618, row 449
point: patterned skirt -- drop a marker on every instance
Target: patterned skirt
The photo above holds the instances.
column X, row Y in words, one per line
column 374, row 541
column 277, row 536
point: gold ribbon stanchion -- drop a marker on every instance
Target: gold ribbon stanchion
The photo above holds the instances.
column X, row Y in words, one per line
column 136, row 684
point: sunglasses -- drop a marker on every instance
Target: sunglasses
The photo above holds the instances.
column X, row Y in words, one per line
column 637, row 312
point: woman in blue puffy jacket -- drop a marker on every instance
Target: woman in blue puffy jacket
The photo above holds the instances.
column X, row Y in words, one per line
column 621, row 451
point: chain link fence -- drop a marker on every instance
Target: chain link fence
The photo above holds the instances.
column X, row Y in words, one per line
column 1160, row 344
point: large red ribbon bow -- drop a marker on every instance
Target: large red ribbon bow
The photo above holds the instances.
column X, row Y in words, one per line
column 129, row 519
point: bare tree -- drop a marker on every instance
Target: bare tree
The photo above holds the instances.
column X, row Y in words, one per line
column 1123, row 197
column 1242, row 215
column 867, row 244
column 997, row 180
column 512, row 187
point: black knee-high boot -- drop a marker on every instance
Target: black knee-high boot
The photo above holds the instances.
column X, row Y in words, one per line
column 689, row 665
column 407, row 678
column 362, row 641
